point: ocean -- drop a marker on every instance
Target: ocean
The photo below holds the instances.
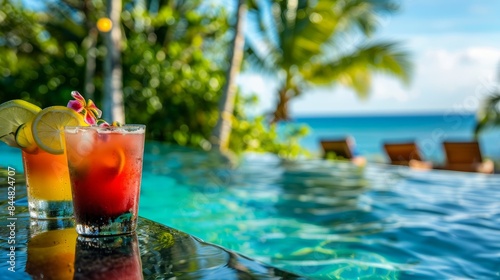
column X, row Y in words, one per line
column 371, row 131
column 427, row 130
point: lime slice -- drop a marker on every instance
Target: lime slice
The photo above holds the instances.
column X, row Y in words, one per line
column 24, row 138
column 48, row 127
column 14, row 113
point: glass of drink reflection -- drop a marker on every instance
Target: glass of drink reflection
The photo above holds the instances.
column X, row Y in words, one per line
column 51, row 249
column 109, row 257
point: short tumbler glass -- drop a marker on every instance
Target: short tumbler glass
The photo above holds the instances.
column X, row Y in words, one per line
column 105, row 168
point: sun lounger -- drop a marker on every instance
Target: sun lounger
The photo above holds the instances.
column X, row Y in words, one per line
column 341, row 149
column 338, row 149
column 465, row 156
column 402, row 153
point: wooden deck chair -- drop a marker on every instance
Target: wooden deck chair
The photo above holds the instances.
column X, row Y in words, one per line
column 402, row 153
column 463, row 156
column 338, row 149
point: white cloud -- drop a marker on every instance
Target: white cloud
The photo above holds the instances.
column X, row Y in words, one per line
column 456, row 73
column 446, row 78
column 480, row 10
column 385, row 88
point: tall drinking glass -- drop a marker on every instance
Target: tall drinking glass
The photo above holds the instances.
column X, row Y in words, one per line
column 49, row 188
column 105, row 167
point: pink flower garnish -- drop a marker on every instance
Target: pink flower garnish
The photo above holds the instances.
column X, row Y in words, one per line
column 88, row 109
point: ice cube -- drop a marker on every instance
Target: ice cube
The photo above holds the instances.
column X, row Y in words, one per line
column 88, row 139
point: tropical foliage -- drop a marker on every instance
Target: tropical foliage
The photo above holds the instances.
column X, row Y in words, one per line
column 173, row 67
column 304, row 44
column 257, row 135
column 489, row 113
column 36, row 64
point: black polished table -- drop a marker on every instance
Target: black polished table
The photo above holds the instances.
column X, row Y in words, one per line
column 51, row 249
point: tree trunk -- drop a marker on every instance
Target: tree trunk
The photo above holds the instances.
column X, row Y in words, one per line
column 281, row 111
column 222, row 130
column 285, row 94
column 89, row 45
column 113, row 107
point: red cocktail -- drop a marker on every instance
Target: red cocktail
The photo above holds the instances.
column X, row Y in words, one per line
column 105, row 166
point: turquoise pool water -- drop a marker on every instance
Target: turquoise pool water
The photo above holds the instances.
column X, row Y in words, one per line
column 328, row 220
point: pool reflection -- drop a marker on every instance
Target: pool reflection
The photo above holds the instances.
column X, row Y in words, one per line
column 55, row 251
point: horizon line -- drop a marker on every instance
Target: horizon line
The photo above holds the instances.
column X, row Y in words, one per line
column 383, row 114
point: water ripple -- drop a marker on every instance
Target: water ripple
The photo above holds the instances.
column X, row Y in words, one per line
column 330, row 220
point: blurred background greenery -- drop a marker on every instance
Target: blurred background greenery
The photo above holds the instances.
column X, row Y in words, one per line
column 176, row 55
column 174, row 62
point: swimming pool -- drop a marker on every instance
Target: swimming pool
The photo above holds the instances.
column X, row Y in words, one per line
column 326, row 220
column 330, row 220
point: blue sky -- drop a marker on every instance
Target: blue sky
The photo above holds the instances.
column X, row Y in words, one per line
column 455, row 46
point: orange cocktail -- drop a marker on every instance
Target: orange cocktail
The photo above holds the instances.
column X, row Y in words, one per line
column 39, row 134
column 105, row 165
column 47, row 181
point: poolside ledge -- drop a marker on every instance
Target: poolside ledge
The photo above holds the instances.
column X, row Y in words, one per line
column 52, row 250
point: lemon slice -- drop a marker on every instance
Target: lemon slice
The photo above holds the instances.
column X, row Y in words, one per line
column 14, row 113
column 113, row 160
column 24, row 138
column 48, row 127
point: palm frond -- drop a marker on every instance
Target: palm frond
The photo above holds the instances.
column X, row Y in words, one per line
column 294, row 34
column 311, row 30
column 489, row 113
column 261, row 37
column 354, row 69
column 363, row 14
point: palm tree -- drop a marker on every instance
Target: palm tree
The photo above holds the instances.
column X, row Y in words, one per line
column 305, row 43
column 222, row 130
